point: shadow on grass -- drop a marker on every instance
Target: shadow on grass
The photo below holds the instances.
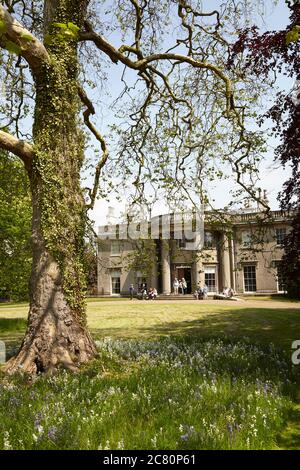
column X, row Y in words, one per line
column 276, row 297
column 262, row 326
column 12, row 325
column 290, row 437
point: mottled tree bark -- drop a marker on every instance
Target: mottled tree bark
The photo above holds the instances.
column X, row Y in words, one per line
column 57, row 335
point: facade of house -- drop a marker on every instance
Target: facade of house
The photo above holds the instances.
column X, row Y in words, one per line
column 243, row 253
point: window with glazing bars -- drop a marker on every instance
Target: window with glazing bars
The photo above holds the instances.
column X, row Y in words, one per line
column 250, row 278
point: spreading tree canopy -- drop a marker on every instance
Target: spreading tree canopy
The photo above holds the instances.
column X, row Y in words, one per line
column 182, row 116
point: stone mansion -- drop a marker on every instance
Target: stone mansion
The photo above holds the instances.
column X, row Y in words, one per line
column 244, row 253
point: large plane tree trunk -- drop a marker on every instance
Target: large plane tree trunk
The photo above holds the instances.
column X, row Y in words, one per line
column 57, row 335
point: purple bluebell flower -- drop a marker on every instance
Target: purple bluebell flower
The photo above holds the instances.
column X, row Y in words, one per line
column 230, row 429
column 52, row 432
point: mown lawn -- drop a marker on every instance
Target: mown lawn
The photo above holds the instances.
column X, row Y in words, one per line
column 170, row 375
column 262, row 322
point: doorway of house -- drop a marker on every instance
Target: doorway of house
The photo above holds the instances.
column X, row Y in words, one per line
column 185, row 271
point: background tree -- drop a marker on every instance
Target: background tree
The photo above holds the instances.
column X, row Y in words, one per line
column 279, row 51
column 291, row 259
column 15, row 229
column 15, row 234
column 179, row 53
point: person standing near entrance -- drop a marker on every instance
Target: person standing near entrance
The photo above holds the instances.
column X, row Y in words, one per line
column 176, row 286
column 184, row 286
column 131, row 291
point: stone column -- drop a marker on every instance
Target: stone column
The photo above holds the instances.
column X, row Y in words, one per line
column 198, row 277
column 226, row 276
column 154, row 274
column 233, row 264
column 165, row 267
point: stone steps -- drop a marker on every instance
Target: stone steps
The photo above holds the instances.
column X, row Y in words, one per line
column 176, row 297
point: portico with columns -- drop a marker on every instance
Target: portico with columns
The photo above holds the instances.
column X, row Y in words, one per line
column 212, row 266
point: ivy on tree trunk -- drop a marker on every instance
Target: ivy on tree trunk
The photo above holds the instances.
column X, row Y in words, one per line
column 57, row 334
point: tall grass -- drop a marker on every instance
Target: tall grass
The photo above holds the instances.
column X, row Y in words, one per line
column 165, row 394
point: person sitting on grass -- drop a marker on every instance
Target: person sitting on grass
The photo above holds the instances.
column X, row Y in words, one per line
column 205, row 292
column 225, row 291
column 150, row 294
column 154, row 293
column 144, row 291
column 199, row 293
column 228, row 292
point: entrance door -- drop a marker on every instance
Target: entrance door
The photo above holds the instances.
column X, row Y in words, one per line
column 186, row 273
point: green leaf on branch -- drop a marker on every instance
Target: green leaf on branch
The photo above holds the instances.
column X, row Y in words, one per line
column 27, row 37
column 293, row 35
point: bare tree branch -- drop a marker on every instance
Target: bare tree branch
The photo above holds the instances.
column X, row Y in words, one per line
column 86, row 115
column 33, row 51
column 142, row 64
column 18, row 147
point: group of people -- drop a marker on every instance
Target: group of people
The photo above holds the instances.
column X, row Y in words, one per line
column 201, row 293
column 144, row 293
column 180, row 286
